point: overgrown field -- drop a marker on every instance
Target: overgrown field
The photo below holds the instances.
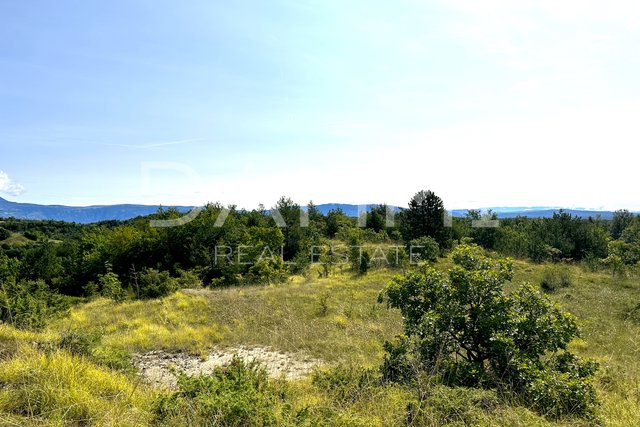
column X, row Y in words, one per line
column 78, row 370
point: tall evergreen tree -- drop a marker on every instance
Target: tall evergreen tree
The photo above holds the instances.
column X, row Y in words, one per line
column 425, row 217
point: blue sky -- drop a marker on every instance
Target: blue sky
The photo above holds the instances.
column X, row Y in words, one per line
column 491, row 103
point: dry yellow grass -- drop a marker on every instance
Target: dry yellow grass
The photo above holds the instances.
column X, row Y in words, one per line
column 335, row 319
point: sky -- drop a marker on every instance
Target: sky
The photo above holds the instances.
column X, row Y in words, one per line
column 492, row 103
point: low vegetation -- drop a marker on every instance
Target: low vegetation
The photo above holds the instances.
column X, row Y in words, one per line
column 465, row 338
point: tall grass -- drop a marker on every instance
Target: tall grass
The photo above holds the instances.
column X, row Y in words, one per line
column 335, row 319
column 59, row 388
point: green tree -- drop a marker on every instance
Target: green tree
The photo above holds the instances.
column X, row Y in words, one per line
column 618, row 257
column 483, row 234
column 4, row 233
column 110, row 286
column 293, row 233
column 425, row 217
column 464, row 328
column 337, row 219
column 377, row 218
column 620, row 221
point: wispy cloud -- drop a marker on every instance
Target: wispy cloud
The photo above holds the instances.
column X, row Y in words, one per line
column 8, row 186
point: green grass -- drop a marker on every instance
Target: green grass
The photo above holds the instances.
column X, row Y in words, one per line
column 16, row 239
column 335, row 319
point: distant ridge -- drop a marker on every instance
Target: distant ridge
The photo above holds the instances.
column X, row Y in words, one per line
column 502, row 212
column 89, row 214
column 82, row 215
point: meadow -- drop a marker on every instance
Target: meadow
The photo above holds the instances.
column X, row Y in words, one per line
column 336, row 319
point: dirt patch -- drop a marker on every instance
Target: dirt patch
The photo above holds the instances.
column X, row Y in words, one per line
column 156, row 367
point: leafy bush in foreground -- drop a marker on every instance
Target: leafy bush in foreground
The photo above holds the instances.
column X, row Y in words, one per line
column 464, row 329
column 235, row 395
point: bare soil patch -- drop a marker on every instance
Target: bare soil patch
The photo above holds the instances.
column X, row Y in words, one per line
column 156, row 367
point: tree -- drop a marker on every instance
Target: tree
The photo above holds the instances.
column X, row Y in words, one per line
column 465, row 329
column 377, row 218
column 293, row 233
column 4, row 233
column 619, row 254
column 485, row 236
column 620, row 221
column 364, row 263
column 425, row 217
column 317, row 221
column 336, row 219
column 110, row 286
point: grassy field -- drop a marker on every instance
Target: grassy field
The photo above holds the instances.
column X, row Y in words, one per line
column 334, row 319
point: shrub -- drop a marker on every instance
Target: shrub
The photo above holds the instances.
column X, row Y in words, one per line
column 188, row 279
column 32, row 235
column 365, row 263
column 235, row 395
column 4, row 234
column 154, row 284
column 323, row 304
column 463, row 328
column 111, row 287
column 360, row 259
column 555, row 277
column 424, row 249
column 90, row 290
column 266, row 272
column 29, row 304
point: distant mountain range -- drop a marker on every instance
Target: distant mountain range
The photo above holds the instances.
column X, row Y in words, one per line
column 90, row 214
column 502, row 212
column 83, row 215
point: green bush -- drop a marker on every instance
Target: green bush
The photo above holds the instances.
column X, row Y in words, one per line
column 464, row 330
column 365, row 263
column 235, row 395
column 188, row 279
column 111, row 287
column 29, row 304
column 4, row 233
column 424, row 249
column 555, row 277
column 155, row 284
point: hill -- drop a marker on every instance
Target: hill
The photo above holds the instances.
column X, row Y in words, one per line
column 82, row 215
column 97, row 213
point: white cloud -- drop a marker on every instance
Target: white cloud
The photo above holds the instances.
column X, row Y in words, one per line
column 8, row 186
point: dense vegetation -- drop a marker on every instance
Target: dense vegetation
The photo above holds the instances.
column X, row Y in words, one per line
column 224, row 247
column 469, row 336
